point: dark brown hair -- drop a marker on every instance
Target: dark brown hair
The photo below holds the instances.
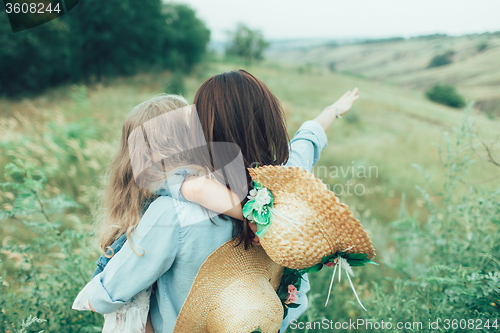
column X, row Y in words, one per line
column 238, row 108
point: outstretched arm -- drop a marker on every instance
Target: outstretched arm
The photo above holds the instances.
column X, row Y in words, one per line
column 305, row 151
column 344, row 104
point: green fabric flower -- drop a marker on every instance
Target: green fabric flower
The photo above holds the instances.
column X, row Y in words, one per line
column 258, row 208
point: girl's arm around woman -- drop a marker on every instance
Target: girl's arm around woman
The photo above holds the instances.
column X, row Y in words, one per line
column 155, row 245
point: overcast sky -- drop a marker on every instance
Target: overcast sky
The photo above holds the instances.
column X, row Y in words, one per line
column 295, row 19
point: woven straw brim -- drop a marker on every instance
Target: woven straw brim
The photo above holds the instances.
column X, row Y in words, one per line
column 233, row 292
column 329, row 226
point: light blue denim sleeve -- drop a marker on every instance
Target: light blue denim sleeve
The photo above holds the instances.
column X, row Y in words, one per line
column 156, row 238
column 306, row 145
column 305, row 150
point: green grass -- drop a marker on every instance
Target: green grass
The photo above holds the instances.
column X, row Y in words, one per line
column 392, row 128
column 70, row 133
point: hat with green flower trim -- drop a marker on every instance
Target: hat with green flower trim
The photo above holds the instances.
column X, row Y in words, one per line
column 302, row 225
column 302, row 228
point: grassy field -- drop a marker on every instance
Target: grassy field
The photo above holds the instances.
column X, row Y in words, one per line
column 388, row 129
column 475, row 69
column 70, row 133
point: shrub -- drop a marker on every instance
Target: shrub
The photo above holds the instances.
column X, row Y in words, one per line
column 442, row 59
column 352, row 118
column 331, row 66
column 445, row 94
column 481, row 46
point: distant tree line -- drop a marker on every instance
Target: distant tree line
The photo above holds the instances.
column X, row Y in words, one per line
column 99, row 39
column 430, row 37
column 381, row 40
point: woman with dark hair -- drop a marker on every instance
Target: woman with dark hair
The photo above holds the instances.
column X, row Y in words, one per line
column 237, row 107
column 233, row 108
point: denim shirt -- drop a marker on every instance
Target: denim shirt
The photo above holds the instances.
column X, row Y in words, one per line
column 118, row 244
column 175, row 244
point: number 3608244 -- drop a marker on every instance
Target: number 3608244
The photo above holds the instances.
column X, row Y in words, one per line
column 32, row 8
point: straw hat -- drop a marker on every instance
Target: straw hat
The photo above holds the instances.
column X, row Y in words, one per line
column 235, row 289
column 233, row 292
column 327, row 226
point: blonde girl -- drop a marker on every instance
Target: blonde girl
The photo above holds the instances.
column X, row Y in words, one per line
column 138, row 174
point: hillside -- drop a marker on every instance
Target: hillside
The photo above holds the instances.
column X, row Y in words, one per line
column 70, row 133
column 388, row 129
column 475, row 70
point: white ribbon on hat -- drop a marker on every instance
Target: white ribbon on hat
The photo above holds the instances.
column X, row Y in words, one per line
column 342, row 263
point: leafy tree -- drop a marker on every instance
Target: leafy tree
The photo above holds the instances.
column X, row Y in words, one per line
column 98, row 39
column 36, row 58
column 247, row 44
column 118, row 37
column 445, row 94
column 185, row 38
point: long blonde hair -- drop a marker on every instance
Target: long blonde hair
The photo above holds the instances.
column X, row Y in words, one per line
column 123, row 198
